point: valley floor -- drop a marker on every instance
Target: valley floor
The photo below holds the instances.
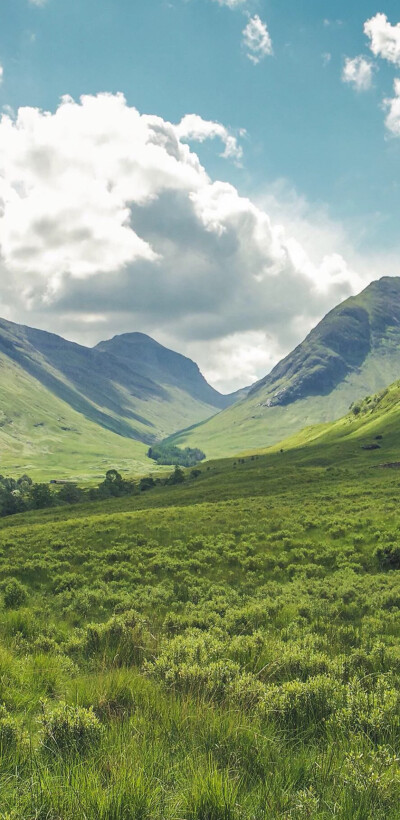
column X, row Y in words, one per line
column 223, row 650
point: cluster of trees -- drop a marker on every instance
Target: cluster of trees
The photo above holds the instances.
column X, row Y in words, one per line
column 169, row 454
column 22, row 494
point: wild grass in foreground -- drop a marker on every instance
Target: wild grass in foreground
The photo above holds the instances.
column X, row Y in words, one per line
column 229, row 652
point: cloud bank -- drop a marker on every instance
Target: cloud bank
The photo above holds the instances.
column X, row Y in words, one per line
column 110, row 223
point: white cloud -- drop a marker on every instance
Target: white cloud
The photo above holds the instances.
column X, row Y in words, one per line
column 193, row 127
column 109, row 214
column 257, row 40
column 392, row 106
column 359, row 73
column 232, row 4
column 326, row 58
column 1, row 74
column 384, row 38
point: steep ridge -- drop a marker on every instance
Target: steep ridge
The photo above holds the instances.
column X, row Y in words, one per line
column 165, row 367
column 353, row 351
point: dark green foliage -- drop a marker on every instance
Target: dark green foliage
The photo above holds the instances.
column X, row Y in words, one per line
column 388, row 556
column 165, row 453
column 40, row 496
column 146, row 483
column 177, row 477
column 70, row 494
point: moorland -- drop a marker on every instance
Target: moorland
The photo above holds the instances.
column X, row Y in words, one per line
column 226, row 647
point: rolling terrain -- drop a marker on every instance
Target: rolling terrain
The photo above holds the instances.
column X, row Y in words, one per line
column 354, row 351
column 68, row 409
column 225, row 648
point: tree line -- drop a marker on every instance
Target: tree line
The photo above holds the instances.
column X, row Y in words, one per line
column 22, row 494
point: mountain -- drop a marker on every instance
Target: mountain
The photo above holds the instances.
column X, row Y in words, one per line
column 130, row 387
column 352, row 352
column 164, row 367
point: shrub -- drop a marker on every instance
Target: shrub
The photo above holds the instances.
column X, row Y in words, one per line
column 15, row 594
column 70, row 730
column 388, row 556
column 299, row 706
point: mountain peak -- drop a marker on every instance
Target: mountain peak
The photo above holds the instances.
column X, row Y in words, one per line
column 164, row 366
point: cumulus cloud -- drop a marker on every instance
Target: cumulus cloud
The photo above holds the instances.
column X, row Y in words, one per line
column 359, row 73
column 384, row 38
column 1, row 74
column 256, row 40
column 109, row 223
column 193, row 127
column 392, row 105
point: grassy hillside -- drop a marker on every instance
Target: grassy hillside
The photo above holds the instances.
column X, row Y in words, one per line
column 66, row 410
column 226, row 649
column 353, row 352
column 43, row 436
column 118, row 393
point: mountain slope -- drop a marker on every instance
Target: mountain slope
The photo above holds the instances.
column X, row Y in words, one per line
column 139, row 396
column 68, row 410
column 165, row 367
column 43, row 436
column 353, row 351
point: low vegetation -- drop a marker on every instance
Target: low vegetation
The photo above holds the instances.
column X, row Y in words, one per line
column 165, row 453
column 224, row 647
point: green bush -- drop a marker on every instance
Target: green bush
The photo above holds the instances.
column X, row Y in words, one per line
column 70, row 730
column 297, row 706
column 388, row 556
column 14, row 594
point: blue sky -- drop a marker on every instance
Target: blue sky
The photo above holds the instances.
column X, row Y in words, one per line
column 316, row 148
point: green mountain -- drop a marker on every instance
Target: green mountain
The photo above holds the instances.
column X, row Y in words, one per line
column 64, row 404
column 352, row 352
column 164, row 367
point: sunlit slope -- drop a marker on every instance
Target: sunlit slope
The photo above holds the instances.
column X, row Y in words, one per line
column 117, row 393
column 43, row 436
column 353, row 351
column 370, row 432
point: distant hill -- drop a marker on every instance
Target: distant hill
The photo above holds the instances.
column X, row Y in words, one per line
column 128, row 388
column 354, row 351
column 164, row 367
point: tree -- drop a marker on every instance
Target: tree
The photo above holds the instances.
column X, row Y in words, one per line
column 177, row 477
column 70, row 494
column 40, row 495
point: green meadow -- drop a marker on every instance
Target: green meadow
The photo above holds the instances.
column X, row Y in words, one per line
column 223, row 649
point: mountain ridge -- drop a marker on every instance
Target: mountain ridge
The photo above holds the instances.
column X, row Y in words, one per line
column 353, row 351
column 55, row 394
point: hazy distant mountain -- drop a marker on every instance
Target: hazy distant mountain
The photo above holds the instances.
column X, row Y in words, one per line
column 353, row 351
column 164, row 367
column 131, row 386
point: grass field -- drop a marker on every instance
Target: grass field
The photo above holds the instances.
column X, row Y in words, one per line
column 223, row 649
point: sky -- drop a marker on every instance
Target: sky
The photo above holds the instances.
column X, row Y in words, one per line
column 215, row 173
